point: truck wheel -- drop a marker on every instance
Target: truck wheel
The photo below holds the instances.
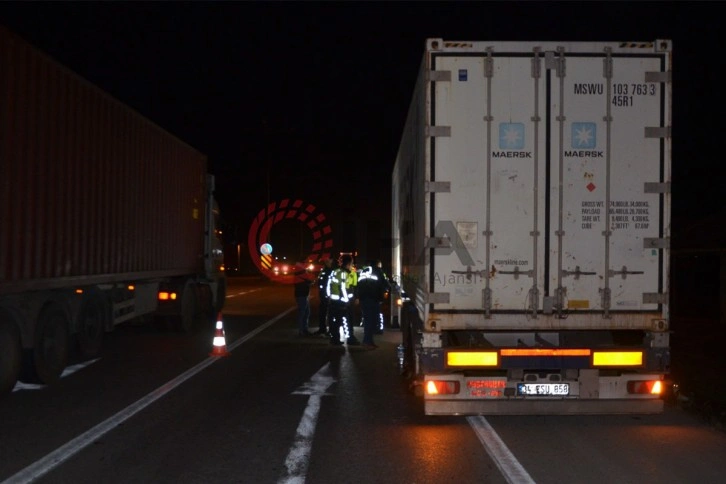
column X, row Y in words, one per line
column 10, row 357
column 50, row 354
column 186, row 322
column 91, row 326
column 409, row 339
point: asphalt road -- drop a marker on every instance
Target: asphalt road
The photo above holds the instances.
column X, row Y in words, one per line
column 157, row 408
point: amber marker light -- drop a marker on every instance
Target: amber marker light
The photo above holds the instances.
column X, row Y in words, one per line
column 472, row 358
column 545, row 352
column 617, row 358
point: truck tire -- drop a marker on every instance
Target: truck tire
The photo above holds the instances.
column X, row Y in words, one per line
column 186, row 322
column 410, row 338
column 10, row 357
column 50, row 354
column 91, row 326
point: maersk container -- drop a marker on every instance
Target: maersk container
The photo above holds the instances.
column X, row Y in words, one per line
column 94, row 199
column 531, row 220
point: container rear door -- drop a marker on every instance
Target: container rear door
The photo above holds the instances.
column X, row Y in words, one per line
column 599, row 164
column 532, row 158
column 493, row 159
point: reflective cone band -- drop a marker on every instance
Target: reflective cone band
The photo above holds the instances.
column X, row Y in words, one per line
column 219, row 343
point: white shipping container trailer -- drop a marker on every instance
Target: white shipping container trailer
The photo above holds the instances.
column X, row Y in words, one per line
column 531, row 225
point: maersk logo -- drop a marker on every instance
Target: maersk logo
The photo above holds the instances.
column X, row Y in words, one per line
column 583, row 136
column 584, row 139
column 511, row 136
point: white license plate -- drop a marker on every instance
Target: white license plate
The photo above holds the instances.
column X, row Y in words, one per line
column 543, row 388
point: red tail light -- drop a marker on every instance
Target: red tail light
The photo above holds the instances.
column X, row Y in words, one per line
column 645, row 387
column 441, row 387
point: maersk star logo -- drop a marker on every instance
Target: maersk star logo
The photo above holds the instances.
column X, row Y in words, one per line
column 583, row 135
column 511, row 136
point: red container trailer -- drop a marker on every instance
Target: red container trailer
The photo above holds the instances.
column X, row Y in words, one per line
column 102, row 214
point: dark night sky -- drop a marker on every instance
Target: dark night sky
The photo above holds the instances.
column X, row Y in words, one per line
column 316, row 94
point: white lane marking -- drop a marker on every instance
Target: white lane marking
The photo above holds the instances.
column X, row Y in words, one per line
column 296, row 463
column 504, row 459
column 242, row 293
column 68, row 450
column 68, row 371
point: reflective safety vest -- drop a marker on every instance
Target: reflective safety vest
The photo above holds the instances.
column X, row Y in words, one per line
column 352, row 280
column 337, row 288
column 367, row 274
column 323, row 279
column 369, row 284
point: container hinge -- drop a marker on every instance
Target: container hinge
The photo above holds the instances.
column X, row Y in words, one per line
column 438, row 187
column 658, row 76
column 486, row 298
column 655, row 298
column 469, row 273
column 657, row 131
column 553, row 60
column 437, row 298
column 518, row 273
column 656, row 243
column 623, row 272
column 438, row 131
column 577, row 273
column 438, row 76
column 657, row 187
column 438, row 243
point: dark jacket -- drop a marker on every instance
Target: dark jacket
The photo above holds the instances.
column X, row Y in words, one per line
column 372, row 283
column 303, row 282
column 302, row 288
column 322, row 281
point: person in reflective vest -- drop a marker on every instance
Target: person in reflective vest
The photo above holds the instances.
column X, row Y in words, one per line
column 339, row 299
column 322, row 282
column 371, row 287
column 353, row 291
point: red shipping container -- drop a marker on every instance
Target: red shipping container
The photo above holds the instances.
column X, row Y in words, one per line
column 90, row 190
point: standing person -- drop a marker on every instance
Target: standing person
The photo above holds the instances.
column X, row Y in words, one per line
column 385, row 290
column 353, row 290
column 370, row 289
column 303, row 283
column 340, row 298
column 322, row 283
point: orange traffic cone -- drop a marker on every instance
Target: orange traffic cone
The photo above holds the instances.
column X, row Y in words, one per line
column 219, row 344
